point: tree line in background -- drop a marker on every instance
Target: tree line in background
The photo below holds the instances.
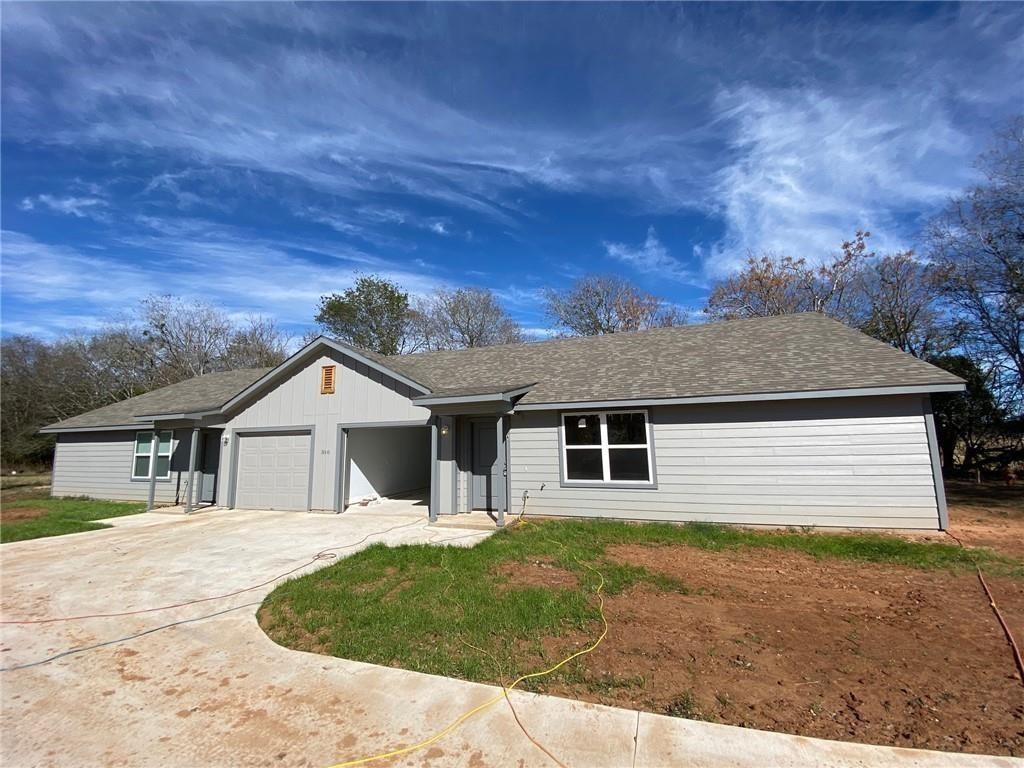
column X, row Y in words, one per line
column 167, row 341
column 958, row 303
column 378, row 315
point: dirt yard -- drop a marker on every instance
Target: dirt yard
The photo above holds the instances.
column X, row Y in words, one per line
column 828, row 648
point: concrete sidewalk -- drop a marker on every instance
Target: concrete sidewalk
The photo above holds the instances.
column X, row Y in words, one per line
column 217, row 691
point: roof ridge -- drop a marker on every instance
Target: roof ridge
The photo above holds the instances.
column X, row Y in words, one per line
column 684, row 328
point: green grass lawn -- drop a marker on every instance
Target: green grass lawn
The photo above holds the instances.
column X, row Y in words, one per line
column 424, row 607
column 59, row 516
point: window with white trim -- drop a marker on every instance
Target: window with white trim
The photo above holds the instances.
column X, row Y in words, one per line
column 606, row 447
column 144, row 452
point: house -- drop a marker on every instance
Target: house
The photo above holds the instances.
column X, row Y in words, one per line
column 793, row 420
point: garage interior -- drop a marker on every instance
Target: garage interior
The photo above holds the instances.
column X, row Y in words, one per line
column 385, row 462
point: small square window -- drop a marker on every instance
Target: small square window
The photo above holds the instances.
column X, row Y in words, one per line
column 144, row 451
column 327, row 379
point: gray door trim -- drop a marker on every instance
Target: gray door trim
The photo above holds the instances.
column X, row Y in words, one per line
column 379, row 424
column 933, row 450
column 498, row 490
column 305, row 429
column 215, row 436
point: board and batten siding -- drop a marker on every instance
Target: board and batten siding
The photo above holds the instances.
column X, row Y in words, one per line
column 99, row 464
column 361, row 395
column 848, row 462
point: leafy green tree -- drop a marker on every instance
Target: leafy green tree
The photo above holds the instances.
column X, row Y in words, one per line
column 373, row 314
column 965, row 421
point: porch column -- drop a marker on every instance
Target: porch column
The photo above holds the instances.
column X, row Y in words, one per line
column 193, row 449
column 499, row 492
column 435, row 475
column 154, row 449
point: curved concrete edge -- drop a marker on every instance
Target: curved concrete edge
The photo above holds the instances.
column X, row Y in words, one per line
column 593, row 735
column 663, row 740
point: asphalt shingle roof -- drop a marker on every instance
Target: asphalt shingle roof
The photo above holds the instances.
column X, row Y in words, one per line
column 203, row 393
column 789, row 353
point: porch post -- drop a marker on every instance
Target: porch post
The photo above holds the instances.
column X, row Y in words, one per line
column 193, row 448
column 499, row 492
column 435, row 475
column 154, row 449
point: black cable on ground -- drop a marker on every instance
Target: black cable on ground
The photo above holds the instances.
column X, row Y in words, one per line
column 84, row 648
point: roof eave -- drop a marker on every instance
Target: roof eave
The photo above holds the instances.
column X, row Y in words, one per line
column 917, row 389
column 506, row 396
column 54, row 429
column 178, row 416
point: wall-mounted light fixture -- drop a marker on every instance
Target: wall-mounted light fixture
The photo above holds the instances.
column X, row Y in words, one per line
column 225, row 439
column 444, row 430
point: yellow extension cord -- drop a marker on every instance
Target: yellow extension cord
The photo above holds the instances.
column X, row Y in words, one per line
column 504, row 693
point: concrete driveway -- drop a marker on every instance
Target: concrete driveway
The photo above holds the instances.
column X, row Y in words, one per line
column 214, row 690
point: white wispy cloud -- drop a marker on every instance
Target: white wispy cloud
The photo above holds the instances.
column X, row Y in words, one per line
column 70, row 288
column 812, row 168
column 79, row 207
column 650, row 257
column 780, row 135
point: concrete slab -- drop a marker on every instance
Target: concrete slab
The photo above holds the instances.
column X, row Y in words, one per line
column 665, row 740
column 201, row 685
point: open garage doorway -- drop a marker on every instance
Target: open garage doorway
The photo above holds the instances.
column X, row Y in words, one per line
column 388, row 462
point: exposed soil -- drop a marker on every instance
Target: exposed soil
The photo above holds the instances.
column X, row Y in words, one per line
column 538, row 573
column 10, row 514
column 840, row 650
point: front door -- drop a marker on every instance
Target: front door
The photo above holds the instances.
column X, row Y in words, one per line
column 485, row 462
column 208, row 468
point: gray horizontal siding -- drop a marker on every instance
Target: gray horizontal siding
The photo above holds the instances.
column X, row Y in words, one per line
column 362, row 395
column 99, row 464
column 856, row 462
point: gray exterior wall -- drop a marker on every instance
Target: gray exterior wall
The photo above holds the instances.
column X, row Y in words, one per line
column 99, row 464
column 362, row 395
column 858, row 462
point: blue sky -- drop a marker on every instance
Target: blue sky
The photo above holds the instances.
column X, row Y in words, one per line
column 260, row 155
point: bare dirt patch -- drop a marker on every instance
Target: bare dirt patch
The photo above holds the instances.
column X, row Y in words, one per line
column 538, row 573
column 10, row 514
column 834, row 649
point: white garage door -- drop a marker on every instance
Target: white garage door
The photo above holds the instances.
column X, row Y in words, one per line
column 273, row 472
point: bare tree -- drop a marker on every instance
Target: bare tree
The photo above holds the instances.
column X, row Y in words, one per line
column 464, row 317
column 600, row 304
column 901, row 305
column 189, row 338
column 260, row 343
column 774, row 284
column 979, row 243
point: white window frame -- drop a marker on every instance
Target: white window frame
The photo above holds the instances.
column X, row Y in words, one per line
column 605, row 449
column 136, row 454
